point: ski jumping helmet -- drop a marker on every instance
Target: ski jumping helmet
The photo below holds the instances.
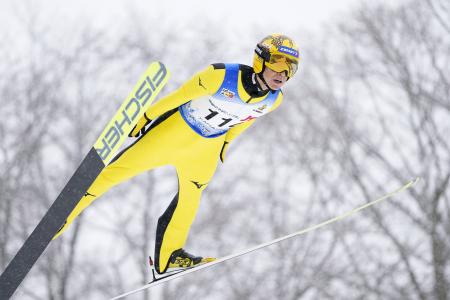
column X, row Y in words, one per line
column 277, row 52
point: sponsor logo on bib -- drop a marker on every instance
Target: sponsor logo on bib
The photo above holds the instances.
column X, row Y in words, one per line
column 227, row 93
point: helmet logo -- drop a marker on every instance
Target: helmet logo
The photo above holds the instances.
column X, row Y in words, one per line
column 288, row 50
column 278, row 40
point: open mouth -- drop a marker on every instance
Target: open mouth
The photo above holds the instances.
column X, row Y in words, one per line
column 277, row 81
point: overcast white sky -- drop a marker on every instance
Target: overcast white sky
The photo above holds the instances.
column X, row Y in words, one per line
column 237, row 21
column 270, row 16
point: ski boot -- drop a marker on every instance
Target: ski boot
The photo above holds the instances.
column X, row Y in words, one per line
column 180, row 260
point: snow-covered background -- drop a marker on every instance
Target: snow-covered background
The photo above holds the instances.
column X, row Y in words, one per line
column 368, row 111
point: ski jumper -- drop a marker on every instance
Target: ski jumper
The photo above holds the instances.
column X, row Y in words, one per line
column 191, row 129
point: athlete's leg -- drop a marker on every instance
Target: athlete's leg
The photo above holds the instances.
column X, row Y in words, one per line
column 194, row 173
column 148, row 152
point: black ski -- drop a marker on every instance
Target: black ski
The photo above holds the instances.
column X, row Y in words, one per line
column 104, row 149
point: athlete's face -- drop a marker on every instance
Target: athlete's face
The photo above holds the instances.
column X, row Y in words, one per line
column 275, row 80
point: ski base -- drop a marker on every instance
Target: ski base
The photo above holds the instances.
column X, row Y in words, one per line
column 167, row 276
column 157, row 277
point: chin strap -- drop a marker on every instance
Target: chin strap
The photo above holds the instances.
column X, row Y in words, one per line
column 260, row 75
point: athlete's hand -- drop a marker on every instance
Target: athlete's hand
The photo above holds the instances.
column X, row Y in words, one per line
column 139, row 128
column 223, row 151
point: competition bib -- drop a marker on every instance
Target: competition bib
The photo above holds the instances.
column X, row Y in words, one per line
column 213, row 115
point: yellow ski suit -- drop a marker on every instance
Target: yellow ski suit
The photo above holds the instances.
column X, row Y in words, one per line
column 174, row 138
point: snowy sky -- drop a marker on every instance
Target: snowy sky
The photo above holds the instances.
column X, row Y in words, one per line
column 270, row 16
column 237, row 21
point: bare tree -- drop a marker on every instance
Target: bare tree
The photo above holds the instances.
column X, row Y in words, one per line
column 388, row 101
column 49, row 102
column 370, row 116
column 371, row 111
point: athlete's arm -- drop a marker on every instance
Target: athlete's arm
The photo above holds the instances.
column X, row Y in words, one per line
column 235, row 131
column 232, row 134
column 205, row 82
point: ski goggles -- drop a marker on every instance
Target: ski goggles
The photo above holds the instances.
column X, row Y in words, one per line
column 280, row 63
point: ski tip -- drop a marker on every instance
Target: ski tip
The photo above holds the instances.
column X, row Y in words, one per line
column 414, row 181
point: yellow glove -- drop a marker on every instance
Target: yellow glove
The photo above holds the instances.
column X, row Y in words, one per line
column 223, row 151
column 139, row 128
